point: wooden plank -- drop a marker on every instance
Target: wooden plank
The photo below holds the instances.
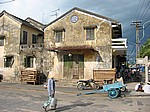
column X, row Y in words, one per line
column 101, row 75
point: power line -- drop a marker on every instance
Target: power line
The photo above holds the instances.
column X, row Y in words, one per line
column 140, row 9
column 132, row 52
column 3, row 2
column 146, row 10
column 132, row 32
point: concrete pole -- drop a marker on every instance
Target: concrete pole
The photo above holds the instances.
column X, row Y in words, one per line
column 146, row 69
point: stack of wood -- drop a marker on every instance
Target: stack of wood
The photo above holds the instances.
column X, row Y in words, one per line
column 29, row 75
column 102, row 76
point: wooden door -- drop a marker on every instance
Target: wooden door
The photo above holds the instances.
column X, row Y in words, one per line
column 74, row 66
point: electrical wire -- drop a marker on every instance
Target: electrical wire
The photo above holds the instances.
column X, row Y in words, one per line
column 132, row 52
column 145, row 11
column 3, row 2
column 142, row 12
column 140, row 9
column 132, row 32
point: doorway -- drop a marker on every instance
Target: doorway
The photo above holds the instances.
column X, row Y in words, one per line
column 73, row 66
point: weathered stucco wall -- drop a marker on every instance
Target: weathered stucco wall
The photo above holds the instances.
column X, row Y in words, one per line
column 30, row 32
column 75, row 35
column 10, row 29
column 75, row 32
column 1, row 56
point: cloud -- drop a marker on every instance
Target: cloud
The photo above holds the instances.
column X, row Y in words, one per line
column 124, row 11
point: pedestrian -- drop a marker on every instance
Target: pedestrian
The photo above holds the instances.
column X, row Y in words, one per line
column 51, row 91
column 51, row 84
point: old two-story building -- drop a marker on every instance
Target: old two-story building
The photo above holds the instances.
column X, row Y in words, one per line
column 73, row 46
column 21, row 45
column 81, row 42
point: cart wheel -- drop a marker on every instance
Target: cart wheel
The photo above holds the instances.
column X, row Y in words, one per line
column 80, row 86
column 113, row 93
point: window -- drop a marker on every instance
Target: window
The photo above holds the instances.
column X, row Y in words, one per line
column 1, row 40
column 8, row 61
column 24, row 37
column 28, row 61
column 34, row 39
column 40, row 38
column 89, row 33
column 59, row 35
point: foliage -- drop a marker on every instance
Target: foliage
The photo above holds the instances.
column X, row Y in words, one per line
column 145, row 49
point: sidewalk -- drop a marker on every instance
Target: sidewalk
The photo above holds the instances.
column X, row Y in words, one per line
column 70, row 89
column 131, row 87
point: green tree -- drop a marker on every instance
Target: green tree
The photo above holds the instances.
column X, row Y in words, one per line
column 145, row 49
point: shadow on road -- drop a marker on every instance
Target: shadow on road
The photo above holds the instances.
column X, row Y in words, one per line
column 68, row 107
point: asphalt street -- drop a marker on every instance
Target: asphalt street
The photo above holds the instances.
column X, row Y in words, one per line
column 30, row 98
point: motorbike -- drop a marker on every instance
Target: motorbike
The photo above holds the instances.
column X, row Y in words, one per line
column 87, row 84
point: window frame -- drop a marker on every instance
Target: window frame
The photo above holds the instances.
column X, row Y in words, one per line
column 58, row 36
column 34, row 39
column 28, row 62
column 2, row 40
column 24, row 38
column 8, row 61
column 90, row 33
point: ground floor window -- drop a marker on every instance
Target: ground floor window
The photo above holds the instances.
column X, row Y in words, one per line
column 1, row 40
column 28, row 61
column 8, row 61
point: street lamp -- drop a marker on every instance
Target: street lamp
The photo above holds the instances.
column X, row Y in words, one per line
column 143, row 29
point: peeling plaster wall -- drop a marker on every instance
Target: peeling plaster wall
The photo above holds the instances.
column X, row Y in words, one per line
column 75, row 35
column 75, row 32
column 10, row 29
column 36, row 52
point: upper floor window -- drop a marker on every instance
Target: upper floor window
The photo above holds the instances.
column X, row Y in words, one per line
column 1, row 40
column 90, row 35
column 40, row 38
column 8, row 61
column 24, row 38
column 34, row 39
column 59, row 36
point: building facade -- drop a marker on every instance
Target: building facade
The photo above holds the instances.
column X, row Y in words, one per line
column 21, row 44
column 81, row 41
column 73, row 45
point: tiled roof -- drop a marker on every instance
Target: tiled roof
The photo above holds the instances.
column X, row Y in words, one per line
column 24, row 22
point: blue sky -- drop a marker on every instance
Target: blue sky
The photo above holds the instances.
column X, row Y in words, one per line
column 124, row 11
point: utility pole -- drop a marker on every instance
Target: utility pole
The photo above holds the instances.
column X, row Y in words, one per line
column 137, row 25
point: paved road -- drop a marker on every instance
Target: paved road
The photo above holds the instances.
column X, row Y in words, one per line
column 16, row 98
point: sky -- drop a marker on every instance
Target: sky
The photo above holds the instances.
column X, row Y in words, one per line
column 124, row 11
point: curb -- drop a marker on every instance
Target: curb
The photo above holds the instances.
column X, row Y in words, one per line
column 134, row 93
